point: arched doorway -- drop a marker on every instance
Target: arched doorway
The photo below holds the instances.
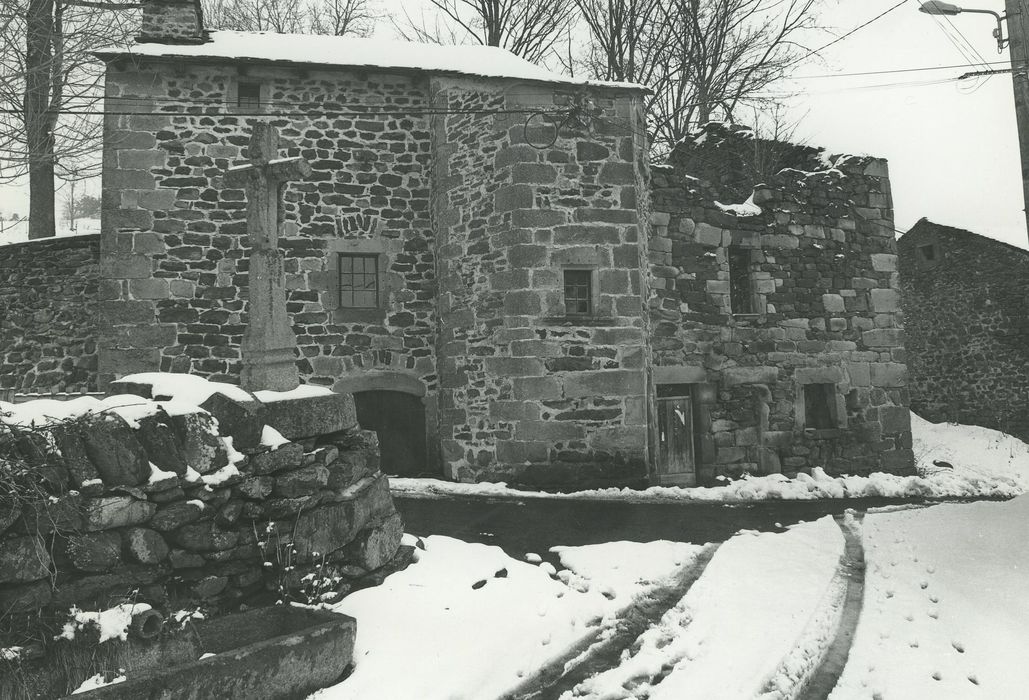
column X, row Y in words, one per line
column 399, row 420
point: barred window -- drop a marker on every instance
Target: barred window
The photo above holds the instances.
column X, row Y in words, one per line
column 358, row 281
column 578, row 292
column 248, row 96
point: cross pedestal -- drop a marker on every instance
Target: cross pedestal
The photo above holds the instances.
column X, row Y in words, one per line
column 269, row 344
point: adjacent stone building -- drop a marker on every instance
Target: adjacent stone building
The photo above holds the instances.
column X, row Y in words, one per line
column 485, row 259
column 965, row 304
column 775, row 312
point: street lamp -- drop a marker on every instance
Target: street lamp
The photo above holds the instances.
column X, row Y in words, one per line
column 937, row 7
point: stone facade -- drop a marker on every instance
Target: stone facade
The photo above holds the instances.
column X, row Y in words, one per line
column 469, row 216
column 48, row 314
column 202, row 530
column 967, row 327
column 751, row 304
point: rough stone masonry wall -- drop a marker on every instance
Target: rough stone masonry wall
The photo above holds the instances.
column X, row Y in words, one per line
column 825, row 290
column 174, row 240
column 204, row 533
column 48, row 314
column 528, row 393
column 966, row 327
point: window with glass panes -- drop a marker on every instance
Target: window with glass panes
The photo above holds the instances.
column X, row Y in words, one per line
column 358, row 281
column 578, row 292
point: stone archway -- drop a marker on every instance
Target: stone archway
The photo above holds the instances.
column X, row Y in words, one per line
column 393, row 405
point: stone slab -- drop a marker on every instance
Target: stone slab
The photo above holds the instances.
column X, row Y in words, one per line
column 311, row 415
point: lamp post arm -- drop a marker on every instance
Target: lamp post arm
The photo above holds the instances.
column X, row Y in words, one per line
column 998, row 33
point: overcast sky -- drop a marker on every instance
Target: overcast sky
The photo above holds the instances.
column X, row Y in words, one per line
column 952, row 146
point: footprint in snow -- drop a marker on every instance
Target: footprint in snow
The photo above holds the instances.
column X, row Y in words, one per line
column 924, row 585
column 914, row 644
column 930, row 569
column 934, row 599
column 889, row 594
column 937, row 676
column 934, row 614
column 959, row 647
column 973, row 679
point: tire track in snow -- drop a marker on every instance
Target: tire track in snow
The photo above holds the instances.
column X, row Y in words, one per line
column 602, row 651
column 823, row 679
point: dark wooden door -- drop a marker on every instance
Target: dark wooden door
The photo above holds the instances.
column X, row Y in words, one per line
column 399, row 421
column 677, row 459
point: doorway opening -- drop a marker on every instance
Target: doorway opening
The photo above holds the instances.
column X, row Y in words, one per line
column 399, row 420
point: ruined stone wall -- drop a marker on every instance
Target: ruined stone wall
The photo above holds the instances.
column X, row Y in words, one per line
column 48, row 314
column 820, row 258
column 174, row 240
column 529, row 392
column 213, row 523
column 966, row 327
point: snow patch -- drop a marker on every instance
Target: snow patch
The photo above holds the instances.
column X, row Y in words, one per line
column 187, row 388
column 303, row 391
column 97, row 681
column 747, row 208
column 112, row 623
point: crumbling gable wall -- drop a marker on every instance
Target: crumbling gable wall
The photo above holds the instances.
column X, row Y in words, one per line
column 966, row 327
column 530, row 392
column 815, row 263
column 48, row 314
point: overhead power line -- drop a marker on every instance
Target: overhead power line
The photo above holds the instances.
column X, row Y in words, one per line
column 852, row 31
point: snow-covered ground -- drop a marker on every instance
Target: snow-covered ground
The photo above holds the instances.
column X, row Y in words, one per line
column 467, row 621
column 946, row 610
column 733, row 634
column 953, row 461
column 943, row 615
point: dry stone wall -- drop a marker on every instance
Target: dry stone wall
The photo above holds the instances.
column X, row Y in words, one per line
column 967, row 329
column 174, row 239
column 822, row 306
column 182, row 506
column 48, row 314
column 529, row 392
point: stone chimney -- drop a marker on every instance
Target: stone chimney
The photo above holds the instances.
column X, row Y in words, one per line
column 172, row 22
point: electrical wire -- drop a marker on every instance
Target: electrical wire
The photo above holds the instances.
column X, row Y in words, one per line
column 851, row 32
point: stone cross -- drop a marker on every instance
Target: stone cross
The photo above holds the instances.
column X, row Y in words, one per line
column 269, row 344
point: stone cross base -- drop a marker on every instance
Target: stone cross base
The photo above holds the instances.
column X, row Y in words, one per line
column 274, row 369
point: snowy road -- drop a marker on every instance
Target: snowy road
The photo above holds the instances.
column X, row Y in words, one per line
column 898, row 603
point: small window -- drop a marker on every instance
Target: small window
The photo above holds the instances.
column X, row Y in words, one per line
column 578, row 292
column 358, row 281
column 820, row 406
column 927, row 253
column 248, row 96
column 741, row 291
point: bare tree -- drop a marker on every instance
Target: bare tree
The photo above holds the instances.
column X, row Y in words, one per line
column 51, row 92
column 342, row 17
column 529, row 28
column 334, row 17
column 702, row 58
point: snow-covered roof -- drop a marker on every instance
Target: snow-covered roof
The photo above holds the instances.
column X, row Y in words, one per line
column 352, row 52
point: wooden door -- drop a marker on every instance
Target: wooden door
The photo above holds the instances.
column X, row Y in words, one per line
column 677, row 458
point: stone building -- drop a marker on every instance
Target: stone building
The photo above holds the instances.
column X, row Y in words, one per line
column 466, row 257
column 775, row 322
column 967, row 327
column 485, row 259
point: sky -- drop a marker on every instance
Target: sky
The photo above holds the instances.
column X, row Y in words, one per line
column 952, row 146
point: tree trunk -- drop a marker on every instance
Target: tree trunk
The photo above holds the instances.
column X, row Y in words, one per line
column 38, row 122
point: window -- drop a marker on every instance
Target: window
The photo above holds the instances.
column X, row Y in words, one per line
column 578, row 292
column 358, row 281
column 741, row 293
column 927, row 252
column 248, row 96
column 820, row 406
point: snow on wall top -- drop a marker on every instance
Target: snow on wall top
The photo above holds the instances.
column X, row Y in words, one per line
column 482, row 61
